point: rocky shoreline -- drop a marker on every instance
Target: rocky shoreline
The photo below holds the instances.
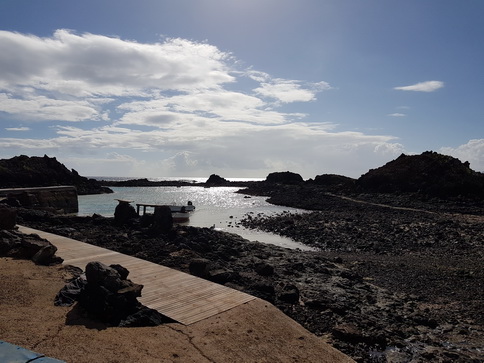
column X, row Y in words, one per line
column 398, row 275
column 388, row 284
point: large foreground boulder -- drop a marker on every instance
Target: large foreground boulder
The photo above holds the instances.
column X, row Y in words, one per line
column 28, row 246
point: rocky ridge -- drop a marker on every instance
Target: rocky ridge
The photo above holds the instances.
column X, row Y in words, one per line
column 23, row 171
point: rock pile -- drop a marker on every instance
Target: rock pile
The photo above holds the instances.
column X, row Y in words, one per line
column 32, row 247
column 106, row 294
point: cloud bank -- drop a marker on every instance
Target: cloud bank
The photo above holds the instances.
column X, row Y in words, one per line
column 174, row 108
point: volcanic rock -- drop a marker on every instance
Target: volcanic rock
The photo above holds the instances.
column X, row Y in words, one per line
column 8, row 217
column 216, row 180
column 23, row 171
column 430, row 173
column 284, row 177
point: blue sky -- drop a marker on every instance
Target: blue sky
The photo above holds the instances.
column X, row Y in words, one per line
column 240, row 88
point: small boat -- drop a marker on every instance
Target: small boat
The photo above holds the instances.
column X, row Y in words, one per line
column 174, row 208
column 182, row 208
column 180, row 217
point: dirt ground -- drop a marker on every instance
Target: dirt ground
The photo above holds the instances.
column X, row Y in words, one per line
column 253, row 332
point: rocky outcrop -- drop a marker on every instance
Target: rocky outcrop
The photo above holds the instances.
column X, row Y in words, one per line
column 284, row 177
column 429, row 174
column 23, row 171
column 216, row 180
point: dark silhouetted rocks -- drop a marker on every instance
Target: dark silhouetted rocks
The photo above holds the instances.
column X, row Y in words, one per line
column 429, row 174
column 284, row 177
column 335, row 182
column 30, row 247
column 162, row 220
column 124, row 213
column 216, row 180
column 23, row 171
column 8, row 217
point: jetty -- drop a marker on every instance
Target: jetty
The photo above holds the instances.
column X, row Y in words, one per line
column 180, row 296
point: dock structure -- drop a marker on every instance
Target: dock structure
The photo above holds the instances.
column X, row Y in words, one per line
column 174, row 208
column 180, row 296
column 60, row 198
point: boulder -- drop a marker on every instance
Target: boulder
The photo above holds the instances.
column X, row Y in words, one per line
column 123, row 213
column 108, row 296
column 289, row 294
column 264, row 269
column 8, row 217
column 145, row 317
column 200, row 267
column 221, row 276
column 162, row 220
column 31, row 244
column 45, row 255
column 100, row 274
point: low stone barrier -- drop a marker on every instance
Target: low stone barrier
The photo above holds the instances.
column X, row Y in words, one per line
column 58, row 199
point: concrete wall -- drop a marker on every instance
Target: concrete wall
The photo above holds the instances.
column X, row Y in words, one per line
column 59, row 199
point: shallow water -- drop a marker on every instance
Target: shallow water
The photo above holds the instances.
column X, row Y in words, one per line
column 218, row 207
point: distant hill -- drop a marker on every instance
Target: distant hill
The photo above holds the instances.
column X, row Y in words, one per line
column 23, row 171
column 429, row 173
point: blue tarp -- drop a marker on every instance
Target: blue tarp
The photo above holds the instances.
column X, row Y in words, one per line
column 10, row 353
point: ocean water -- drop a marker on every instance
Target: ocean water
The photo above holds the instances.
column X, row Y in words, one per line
column 217, row 207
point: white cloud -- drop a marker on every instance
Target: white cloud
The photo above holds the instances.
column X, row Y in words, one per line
column 473, row 152
column 397, row 114
column 428, row 86
column 40, row 108
column 90, row 64
column 287, row 91
column 71, row 77
column 230, row 149
column 171, row 108
column 17, row 128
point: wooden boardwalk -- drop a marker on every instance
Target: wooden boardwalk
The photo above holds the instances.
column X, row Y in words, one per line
column 178, row 295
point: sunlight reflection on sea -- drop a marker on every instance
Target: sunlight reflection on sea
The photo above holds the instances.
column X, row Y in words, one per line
column 218, row 207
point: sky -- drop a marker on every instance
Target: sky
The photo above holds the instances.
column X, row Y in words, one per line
column 190, row 88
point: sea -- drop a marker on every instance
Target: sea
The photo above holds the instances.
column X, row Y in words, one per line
column 216, row 207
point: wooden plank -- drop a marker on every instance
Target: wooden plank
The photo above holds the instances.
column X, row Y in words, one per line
column 178, row 295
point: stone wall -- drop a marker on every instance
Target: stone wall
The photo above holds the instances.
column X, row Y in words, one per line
column 58, row 199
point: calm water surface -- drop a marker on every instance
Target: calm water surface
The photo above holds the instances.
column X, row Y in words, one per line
column 218, row 207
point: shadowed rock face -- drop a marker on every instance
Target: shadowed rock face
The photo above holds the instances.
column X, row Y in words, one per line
column 430, row 173
column 285, row 177
column 214, row 179
column 23, row 171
